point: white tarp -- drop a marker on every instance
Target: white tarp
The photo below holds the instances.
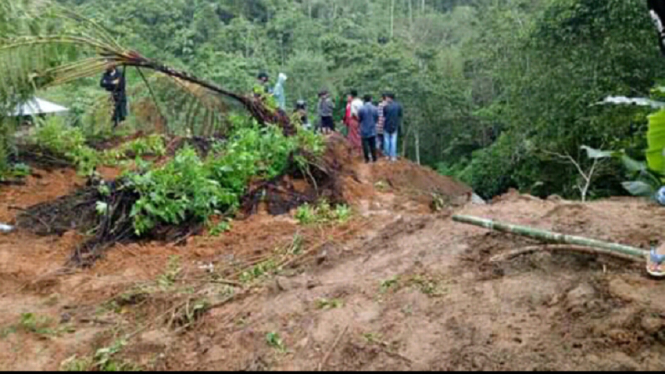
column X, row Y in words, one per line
column 37, row 106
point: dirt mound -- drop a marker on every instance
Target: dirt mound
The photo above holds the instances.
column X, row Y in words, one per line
column 395, row 290
column 322, row 179
column 410, row 177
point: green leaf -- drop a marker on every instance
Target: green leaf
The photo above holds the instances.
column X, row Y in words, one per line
column 656, row 140
column 102, row 208
column 639, row 188
column 633, row 165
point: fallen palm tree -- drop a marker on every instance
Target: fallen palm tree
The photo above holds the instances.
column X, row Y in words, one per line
column 81, row 48
column 167, row 201
column 577, row 243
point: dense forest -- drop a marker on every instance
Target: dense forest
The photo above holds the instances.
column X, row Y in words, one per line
column 498, row 93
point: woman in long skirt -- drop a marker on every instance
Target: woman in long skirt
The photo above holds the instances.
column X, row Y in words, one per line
column 352, row 122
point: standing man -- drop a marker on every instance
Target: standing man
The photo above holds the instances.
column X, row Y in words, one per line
column 381, row 124
column 326, row 108
column 369, row 116
column 393, row 121
column 113, row 81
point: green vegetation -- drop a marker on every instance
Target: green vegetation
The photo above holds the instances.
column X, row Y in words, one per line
column 259, row 271
column 103, row 360
column 323, row 213
column 35, row 324
column 70, row 143
column 191, row 187
column 327, row 304
column 275, row 341
column 389, row 284
column 171, row 274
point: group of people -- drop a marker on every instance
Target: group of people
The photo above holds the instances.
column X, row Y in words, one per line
column 370, row 126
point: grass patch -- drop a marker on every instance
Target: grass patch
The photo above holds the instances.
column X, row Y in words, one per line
column 103, row 360
column 372, row 338
column 389, row 284
column 428, row 285
column 259, row 271
column 323, row 213
column 327, row 304
column 40, row 325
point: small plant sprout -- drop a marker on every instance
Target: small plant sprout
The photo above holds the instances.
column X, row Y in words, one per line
column 275, row 341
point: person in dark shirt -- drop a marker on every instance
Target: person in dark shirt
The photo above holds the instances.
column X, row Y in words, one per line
column 301, row 113
column 368, row 116
column 392, row 114
column 113, row 81
column 263, row 85
column 326, row 108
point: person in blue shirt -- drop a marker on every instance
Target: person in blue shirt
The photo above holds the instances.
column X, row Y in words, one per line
column 369, row 117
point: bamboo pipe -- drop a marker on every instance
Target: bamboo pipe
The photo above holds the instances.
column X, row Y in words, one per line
column 552, row 237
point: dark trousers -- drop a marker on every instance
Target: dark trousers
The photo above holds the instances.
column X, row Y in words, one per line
column 369, row 149
column 119, row 110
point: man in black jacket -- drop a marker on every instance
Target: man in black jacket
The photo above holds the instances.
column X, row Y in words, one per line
column 392, row 114
column 113, row 81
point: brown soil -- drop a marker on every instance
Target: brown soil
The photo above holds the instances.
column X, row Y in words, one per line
column 415, row 290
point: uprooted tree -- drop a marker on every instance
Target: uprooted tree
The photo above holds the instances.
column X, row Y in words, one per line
column 248, row 164
column 54, row 46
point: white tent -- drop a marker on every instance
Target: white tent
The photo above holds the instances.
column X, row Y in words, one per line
column 37, row 106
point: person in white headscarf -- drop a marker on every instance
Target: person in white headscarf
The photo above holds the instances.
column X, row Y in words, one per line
column 278, row 91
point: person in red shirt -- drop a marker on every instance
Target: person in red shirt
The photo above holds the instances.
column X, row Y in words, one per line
column 351, row 119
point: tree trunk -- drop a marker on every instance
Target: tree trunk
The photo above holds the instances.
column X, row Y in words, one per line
column 392, row 19
column 405, row 142
column 417, row 136
column 552, row 237
column 254, row 106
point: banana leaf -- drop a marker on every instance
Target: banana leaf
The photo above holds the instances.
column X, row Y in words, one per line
column 656, row 141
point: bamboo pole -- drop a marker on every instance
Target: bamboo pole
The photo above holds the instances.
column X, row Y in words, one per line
column 551, row 237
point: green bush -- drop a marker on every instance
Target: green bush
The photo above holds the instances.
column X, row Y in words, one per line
column 491, row 169
column 189, row 187
column 184, row 187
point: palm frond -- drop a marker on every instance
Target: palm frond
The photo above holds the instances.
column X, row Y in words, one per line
column 86, row 49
